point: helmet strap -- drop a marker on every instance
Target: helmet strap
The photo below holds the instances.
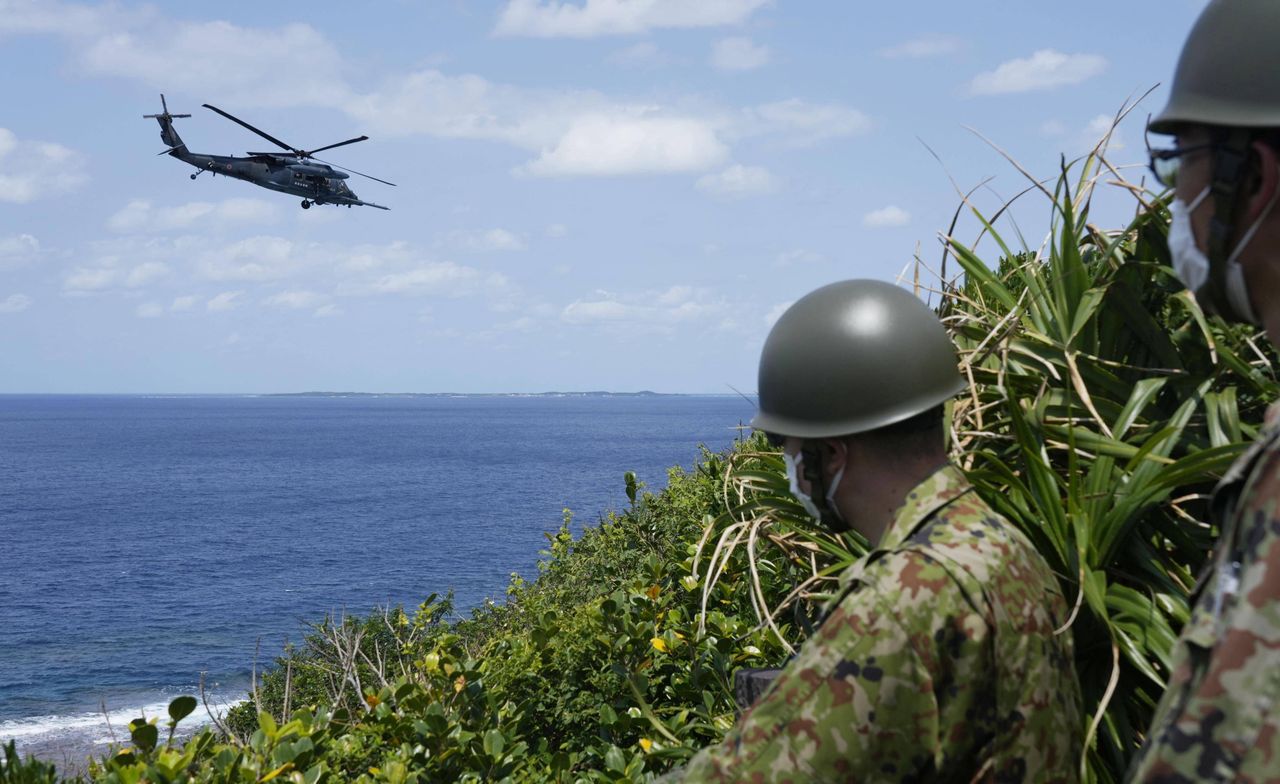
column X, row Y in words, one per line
column 813, row 473
column 1229, row 159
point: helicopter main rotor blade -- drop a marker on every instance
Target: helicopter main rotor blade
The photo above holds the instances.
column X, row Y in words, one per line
column 309, row 153
column 362, row 174
column 263, row 134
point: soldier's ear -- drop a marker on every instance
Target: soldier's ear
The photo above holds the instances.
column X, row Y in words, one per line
column 1263, row 178
column 835, row 454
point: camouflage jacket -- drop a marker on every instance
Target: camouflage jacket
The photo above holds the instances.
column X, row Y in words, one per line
column 1219, row 719
column 938, row 661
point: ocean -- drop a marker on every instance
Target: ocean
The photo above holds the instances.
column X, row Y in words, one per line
column 145, row 540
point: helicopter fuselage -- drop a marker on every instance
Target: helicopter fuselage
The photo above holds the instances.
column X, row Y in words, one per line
column 319, row 183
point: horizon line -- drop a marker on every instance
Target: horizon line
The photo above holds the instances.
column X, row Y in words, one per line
column 354, row 393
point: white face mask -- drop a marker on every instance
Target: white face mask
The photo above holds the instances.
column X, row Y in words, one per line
column 793, row 477
column 1191, row 265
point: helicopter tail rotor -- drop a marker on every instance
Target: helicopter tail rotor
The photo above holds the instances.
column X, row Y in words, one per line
column 164, row 115
column 168, row 134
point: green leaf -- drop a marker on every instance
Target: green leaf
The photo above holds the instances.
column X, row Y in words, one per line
column 614, row 761
column 608, row 717
column 493, row 744
column 144, row 734
column 181, row 708
column 267, row 723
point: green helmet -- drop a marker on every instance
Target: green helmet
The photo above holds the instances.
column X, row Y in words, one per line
column 1226, row 73
column 1225, row 81
column 850, row 357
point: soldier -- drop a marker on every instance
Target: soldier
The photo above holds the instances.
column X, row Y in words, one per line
column 1219, row 719
column 940, row 658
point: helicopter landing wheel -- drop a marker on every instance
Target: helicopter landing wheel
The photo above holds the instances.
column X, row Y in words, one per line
column 194, row 176
column 306, row 205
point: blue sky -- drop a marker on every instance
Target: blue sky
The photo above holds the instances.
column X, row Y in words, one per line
column 592, row 194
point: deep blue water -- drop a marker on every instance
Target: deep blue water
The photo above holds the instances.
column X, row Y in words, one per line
column 146, row 539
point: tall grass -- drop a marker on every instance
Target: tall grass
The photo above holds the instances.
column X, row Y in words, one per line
column 1102, row 407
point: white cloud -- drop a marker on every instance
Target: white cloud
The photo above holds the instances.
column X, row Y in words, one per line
column 803, row 122
column 297, row 299
column 140, row 216
column 15, row 303
column 645, row 54
column 171, row 55
column 48, row 16
column 738, row 181
column 738, row 54
column 776, row 312
column 1053, row 128
column 441, row 277
column 327, row 311
column 1082, row 138
column 580, row 312
column 31, row 170
column 557, row 19
column 886, row 217
column 676, row 295
column 108, row 273
column 601, row 145
column 223, row 302
column 18, row 250
column 571, row 132
column 370, row 258
column 557, row 230
column 575, row 133
column 654, row 311
column 86, row 279
column 145, row 273
column 1099, row 127
column 583, row 132
column 468, row 107
column 258, row 258
column 180, row 304
column 223, row 59
column 1043, row 70
column 149, row 310
column 797, row 256
column 491, row 240
column 928, row 45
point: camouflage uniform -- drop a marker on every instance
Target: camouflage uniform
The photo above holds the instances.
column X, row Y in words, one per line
column 1219, row 719
column 938, row 661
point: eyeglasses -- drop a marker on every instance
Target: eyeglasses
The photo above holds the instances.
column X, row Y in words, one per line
column 1165, row 163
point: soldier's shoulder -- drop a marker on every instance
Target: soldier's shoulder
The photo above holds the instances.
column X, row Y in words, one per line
column 916, row 577
column 968, row 527
column 983, row 550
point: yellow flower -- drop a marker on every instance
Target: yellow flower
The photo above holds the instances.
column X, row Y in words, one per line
column 646, row 744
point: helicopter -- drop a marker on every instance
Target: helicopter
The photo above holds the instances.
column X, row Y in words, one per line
column 295, row 171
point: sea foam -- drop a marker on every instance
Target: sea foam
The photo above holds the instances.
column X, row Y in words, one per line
column 98, row 727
